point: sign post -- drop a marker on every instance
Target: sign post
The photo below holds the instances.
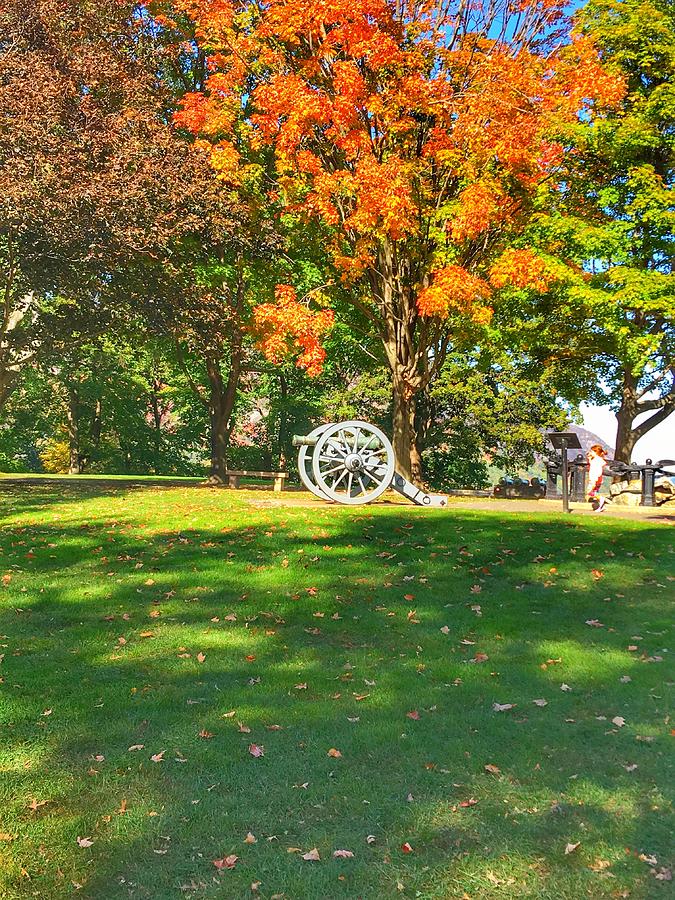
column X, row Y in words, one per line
column 564, row 441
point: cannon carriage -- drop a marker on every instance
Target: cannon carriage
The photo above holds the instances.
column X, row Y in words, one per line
column 353, row 463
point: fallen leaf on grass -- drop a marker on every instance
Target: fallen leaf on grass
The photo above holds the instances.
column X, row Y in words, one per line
column 502, row 707
column 631, row 767
column 540, row 702
column 343, row 854
column 445, row 630
column 36, row 804
column 243, row 729
column 136, row 747
column 625, row 679
column 493, row 770
column 227, row 862
column 84, row 842
column 201, row 657
column 470, row 802
column 300, row 687
column 599, row 865
column 334, row 753
column 663, row 874
column 312, row 855
column 570, row 848
column 158, row 757
column 565, row 687
column 370, row 839
column 250, row 838
column 229, row 715
column 406, row 848
column 413, row 714
column 619, row 721
column 5, row 836
column 594, row 623
column 206, row 734
column 256, row 750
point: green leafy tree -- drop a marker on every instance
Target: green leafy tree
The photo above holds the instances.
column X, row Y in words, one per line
column 615, row 220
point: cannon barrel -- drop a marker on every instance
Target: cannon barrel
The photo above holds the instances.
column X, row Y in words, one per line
column 363, row 441
column 304, row 440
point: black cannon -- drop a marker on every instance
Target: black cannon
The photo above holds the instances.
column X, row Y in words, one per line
column 520, row 488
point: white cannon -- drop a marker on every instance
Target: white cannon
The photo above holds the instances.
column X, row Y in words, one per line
column 353, row 462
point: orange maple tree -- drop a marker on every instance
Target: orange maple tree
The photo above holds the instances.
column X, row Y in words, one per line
column 419, row 133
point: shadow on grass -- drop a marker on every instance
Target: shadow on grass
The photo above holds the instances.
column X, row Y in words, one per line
column 76, row 646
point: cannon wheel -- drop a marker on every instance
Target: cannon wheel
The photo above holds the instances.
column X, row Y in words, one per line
column 353, row 462
column 305, row 465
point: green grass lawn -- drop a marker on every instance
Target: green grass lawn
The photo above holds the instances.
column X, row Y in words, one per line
column 150, row 637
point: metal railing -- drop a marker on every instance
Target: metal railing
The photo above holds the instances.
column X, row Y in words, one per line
column 578, row 469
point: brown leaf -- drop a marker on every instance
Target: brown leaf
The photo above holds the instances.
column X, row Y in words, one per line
column 84, row 842
column 406, row 848
column 136, row 747
column 470, row 802
column 334, row 753
column 201, row 657
column 502, row 707
column 158, row 757
column 243, row 729
column 206, row 734
column 619, row 721
column 227, row 862
column 540, row 702
column 250, row 838
column 570, row 848
column 312, row 855
column 493, row 770
column 256, row 750
column 413, row 714
column 343, row 854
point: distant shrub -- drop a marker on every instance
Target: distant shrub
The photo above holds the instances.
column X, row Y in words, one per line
column 55, row 456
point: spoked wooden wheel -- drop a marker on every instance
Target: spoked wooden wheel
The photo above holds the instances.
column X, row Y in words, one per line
column 353, row 462
column 305, row 463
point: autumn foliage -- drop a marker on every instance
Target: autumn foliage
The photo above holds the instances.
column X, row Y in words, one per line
column 288, row 327
column 377, row 112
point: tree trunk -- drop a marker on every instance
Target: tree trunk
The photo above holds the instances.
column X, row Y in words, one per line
column 156, row 421
column 73, row 420
column 404, row 434
column 407, row 341
column 283, row 419
column 221, row 406
column 626, row 434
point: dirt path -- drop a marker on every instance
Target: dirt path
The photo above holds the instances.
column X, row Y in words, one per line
column 664, row 514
